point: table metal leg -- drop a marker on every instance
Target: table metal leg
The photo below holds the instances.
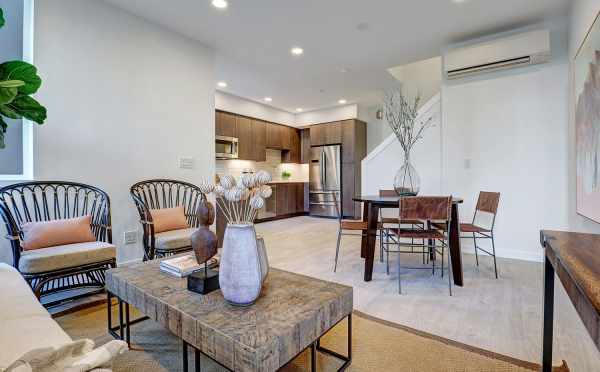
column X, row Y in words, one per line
column 121, row 335
column 313, row 357
column 127, row 325
column 371, row 239
column 347, row 359
column 454, row 246
column 197, row 367
column 184, row 356
column 548, row 322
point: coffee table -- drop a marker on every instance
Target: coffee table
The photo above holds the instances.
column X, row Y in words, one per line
column 291, row 315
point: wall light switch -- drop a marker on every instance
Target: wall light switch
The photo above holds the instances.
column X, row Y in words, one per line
column 130, row 237
column 186, row 163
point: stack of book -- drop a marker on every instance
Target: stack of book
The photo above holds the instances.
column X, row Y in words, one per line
column 183, row 266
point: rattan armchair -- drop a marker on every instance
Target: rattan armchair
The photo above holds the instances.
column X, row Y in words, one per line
column 165, row 193
column 61, row 268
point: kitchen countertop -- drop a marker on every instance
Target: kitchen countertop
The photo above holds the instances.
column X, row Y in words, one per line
column 282, row 181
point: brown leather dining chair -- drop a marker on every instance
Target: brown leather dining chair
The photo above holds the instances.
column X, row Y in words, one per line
column 482, row 225
column 424, row 208
column 346, row 227
column 386, row 239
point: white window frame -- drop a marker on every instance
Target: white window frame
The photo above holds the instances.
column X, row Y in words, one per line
column 28, row 136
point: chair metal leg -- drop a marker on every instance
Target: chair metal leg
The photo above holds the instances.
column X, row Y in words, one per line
column 475, row 246
column 380, row 245
column 494, row 254
column 387, row 255
column 337, row 250
column 442, row 261
column 399, row 274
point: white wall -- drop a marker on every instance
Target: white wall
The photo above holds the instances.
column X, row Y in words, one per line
column 327, row 115
column 237, row 105
column 512, row 128
column 421, row 78
column 583, row 13
column 125, row 99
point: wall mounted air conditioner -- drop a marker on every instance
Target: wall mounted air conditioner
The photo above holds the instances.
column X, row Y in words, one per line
column 524, row 49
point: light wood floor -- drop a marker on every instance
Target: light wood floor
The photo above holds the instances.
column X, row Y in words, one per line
column 501, row 315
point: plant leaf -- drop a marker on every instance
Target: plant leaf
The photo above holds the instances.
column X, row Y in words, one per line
column 9, row 112
column 2, row 22
column 19, row 70
column 11, row 83
column 7, row 94
column 3, row 127
column 28, row 108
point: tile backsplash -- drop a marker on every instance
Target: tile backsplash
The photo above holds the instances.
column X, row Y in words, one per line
column 273, row 165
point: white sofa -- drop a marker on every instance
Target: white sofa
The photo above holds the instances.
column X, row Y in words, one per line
column 26, row 324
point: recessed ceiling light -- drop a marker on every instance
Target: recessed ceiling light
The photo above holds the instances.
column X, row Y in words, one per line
column 268, row 99
column 222, row 84
column 459, row 1
column 297, row 51
column 342, row 101
column 299, row 109
column 219, row 4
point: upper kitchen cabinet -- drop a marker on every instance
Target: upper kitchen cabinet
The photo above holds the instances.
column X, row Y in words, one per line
column 245, row 144
column 326, row 134
column 305, row 146
column 293, row 153
column 273, row 136
column 354, row 141
column 225, row 124
column 259, row 138
column 286, row 134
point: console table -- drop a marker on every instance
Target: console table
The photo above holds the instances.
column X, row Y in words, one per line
column 575, row 258
column 292, row 313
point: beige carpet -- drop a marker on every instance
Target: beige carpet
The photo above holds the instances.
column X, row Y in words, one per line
column 377, row 346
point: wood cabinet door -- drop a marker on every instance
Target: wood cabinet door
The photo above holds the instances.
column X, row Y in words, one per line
column 225, row 124
column 348, row 141
column 333, row 133
column 259, row 137
column 282, row 204
column 305, row 146
column 245, row 147
column 348, row 189
column 291, row 198
column 293, row 154
column 300, row 197
column 285, row 134
column 317, row 135
column 273, row 136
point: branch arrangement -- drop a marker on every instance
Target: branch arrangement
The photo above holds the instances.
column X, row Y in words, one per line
column 240, row 201
column 402, row 118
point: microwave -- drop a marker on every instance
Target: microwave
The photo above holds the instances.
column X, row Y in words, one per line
column 226, row 147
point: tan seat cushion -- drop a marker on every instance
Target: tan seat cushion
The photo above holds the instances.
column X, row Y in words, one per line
column 65, row 256
column 19, row 336
column 174, row 239
column 19, row 300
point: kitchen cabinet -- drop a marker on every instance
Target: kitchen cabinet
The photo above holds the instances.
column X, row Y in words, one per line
column 286, row 137
column 326, row 134
column 245, row 147
column 292, row 155
column 259, row 137
column 305, row 146
column 273, row 136
column 225, row 124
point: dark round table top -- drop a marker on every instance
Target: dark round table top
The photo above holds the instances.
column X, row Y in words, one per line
column 389, row 200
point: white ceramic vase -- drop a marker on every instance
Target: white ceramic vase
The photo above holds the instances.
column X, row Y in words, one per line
column 240, row 273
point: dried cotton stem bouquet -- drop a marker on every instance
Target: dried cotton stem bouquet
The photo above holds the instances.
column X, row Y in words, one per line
column 240, row 201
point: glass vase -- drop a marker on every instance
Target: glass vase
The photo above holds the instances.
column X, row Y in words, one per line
column 407, row 181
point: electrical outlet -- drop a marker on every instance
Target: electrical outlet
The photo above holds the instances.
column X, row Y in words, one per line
column 186, row 163
column 130, row 237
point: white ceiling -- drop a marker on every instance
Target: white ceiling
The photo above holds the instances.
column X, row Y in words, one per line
column 253, row 39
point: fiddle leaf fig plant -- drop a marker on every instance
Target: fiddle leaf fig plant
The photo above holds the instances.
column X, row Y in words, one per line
column 18, row 81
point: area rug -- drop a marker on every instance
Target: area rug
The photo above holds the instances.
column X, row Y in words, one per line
column 377, row 345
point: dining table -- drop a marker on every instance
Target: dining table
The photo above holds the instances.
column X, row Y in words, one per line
column 371, row 206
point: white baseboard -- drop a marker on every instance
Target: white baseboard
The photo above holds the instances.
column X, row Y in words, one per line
column 514, row 254
column 129, row 262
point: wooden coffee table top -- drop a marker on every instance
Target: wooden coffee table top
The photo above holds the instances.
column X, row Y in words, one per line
column 291, row 313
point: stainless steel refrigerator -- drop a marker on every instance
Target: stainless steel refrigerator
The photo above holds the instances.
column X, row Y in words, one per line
column 325, row 181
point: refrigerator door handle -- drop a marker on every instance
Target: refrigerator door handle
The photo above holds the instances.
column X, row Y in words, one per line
column 322, row 166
